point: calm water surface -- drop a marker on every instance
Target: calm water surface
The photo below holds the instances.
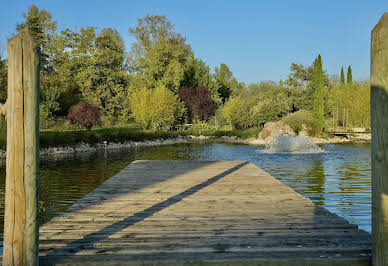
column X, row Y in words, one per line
column 339, row 179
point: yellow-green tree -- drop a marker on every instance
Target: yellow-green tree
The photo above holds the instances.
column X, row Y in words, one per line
column 237, row 113
column 156, row 108
column 350, row 104
column 158, row 54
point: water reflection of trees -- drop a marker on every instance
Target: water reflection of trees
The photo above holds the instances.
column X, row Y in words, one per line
column 316, row 181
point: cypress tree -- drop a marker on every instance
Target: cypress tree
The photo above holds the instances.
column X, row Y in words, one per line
column 349, row 76
column 318, row 96
column 342, row 79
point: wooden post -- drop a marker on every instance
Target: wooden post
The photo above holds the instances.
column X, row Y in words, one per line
column 22, row 170
column 379, row 123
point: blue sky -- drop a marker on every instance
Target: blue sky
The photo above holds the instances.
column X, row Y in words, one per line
column 258, row 40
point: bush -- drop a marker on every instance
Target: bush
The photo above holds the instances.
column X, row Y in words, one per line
column 84, row 114
column 268, row 110
column 298, row 119
column 156, row 108
column 218, row 120
column 237, row 113
column 48, row 105
column 198, row 101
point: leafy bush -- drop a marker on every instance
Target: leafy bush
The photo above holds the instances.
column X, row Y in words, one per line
column 298, row 119
column 237, row 113
column 48, row 105
column 156, row 108
column 218, row 120
column 198, row 101
column 269, row 110
column 84, row 114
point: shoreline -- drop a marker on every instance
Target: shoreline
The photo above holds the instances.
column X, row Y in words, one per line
column 261, row 142
column 85, row 147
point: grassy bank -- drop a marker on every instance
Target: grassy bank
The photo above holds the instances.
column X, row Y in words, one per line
column 51, row 138
column 56, row 138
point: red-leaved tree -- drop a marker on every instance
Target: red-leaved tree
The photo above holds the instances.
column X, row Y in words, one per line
column 198, row 102
column 84, row 114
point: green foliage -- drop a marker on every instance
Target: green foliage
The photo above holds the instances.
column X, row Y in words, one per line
column 267, row 101
column 48, row 104
column 218, row 120
column 158, row 55
column 349, row 78
column 318, row 83
column 197, row 74
column 300, row 81
column 226, row 84
column 94, row 66
column 53, row 138
column 299, row 119
column 42, row 28
column 156, row 108
column 239, row 133
column 350, row 105
column 342, row 79
column 270, row 109
column 237, row 113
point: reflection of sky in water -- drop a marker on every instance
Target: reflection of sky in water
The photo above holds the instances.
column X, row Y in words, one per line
column 339, row 179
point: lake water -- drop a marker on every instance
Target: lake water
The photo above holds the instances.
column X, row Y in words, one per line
column 338, row 179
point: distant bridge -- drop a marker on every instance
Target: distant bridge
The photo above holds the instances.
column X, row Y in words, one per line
column 347, row 131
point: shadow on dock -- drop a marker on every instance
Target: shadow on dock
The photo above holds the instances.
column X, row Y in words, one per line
column 191, row 211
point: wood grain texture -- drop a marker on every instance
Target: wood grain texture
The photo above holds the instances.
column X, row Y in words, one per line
column 179, row 212
column 31, row 148
column 21, row 209
column 14, row 215
column 379, row 123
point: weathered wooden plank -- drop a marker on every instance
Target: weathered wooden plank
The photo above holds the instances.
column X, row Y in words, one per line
column 215, row 210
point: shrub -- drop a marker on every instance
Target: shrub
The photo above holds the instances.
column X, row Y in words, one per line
column 269, row 110
column 218, row 120
column 237, row 113
column 298, row 119
column 198, row 101
column 156, row 108
column 84, row 114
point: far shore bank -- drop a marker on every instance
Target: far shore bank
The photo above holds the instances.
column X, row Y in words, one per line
column 260, row 142
column 100, row 146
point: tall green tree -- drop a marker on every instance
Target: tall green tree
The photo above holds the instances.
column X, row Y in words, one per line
column 43, row 30
column 318, row 83
column 74, row 53
column 158, row 55
column 349, row 78
column 300, row 85
column 342, row 79
column 93, row 66
column 227, row 84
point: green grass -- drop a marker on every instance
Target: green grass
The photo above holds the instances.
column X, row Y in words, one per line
column 50, row 138
column 63, row 134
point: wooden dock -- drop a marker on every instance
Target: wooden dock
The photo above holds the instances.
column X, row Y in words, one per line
column 199, row 213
